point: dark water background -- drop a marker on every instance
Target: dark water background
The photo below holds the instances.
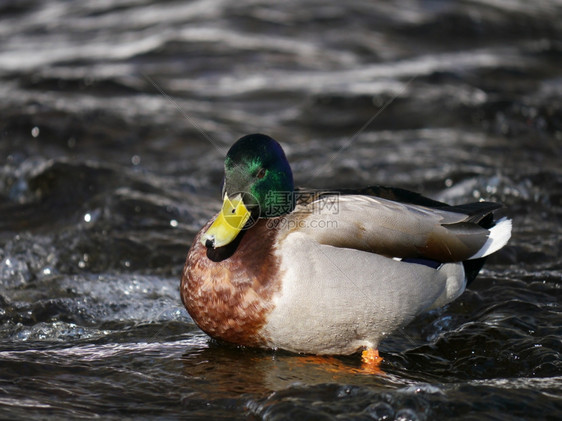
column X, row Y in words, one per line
column 105, row 178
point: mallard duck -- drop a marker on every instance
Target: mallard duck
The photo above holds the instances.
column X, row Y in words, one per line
column 326, row 272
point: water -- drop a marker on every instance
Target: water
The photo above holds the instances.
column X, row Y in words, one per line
column 115, row 117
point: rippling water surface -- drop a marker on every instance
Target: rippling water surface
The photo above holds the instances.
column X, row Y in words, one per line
column 114, row 120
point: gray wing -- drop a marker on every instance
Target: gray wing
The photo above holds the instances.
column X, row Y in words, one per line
column 400, row 230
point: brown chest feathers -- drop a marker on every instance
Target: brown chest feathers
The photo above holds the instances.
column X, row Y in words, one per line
column 230, row 294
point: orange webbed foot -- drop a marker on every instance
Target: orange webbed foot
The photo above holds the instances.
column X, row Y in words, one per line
column 371, row 360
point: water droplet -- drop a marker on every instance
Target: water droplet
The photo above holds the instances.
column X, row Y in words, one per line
column 87, row 217
column 173, row 223
column 136, row 160
column 448, row 182
column 35, row 131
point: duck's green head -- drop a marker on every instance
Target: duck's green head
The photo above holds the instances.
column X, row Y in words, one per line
column 258, row 183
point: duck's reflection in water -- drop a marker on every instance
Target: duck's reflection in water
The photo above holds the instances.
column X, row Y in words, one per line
column 226, row 369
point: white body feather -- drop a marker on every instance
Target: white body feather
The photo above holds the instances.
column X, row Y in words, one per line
column 336, row 301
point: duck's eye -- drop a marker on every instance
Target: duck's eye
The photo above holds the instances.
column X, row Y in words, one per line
column 261, row 173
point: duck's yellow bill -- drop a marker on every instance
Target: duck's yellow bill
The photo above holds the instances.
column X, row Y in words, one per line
column 230, row 221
